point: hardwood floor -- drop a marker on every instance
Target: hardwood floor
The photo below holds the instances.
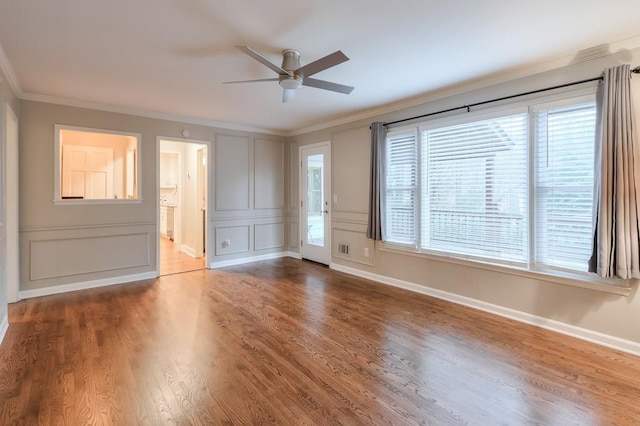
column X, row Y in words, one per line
column 173, row 261
column 291, row 342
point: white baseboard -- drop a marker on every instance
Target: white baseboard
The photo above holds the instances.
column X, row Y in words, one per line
column 4, row 326
column 613, row 342
column 243, row 260
column 188, row 250
column 64, row 288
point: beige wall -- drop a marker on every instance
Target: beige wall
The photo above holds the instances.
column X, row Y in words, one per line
column 249, row 193
column 7, row 97
column 79, row 244
column 611, row 314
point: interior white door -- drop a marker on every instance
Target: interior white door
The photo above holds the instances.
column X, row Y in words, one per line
column 315, row 197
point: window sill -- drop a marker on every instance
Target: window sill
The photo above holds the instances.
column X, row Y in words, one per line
column 77, row 202
column 619, row 287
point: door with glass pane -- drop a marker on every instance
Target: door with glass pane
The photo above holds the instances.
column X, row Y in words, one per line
column 315, row 215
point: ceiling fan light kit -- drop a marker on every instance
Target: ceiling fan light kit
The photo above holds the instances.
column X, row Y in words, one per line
column 290, row 82
column 291, row 76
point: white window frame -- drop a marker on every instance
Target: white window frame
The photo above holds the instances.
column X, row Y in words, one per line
column 530, row 269
column 57, row 193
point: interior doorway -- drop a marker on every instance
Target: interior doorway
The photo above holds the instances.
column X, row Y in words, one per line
column 182, row 209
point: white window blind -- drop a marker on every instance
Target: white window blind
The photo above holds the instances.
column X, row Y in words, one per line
column 515, row 189
column 474, row 189
column 401, row 188
column 564, row 149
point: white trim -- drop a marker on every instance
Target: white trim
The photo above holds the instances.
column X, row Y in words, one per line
column 208, row 229
column 243, row 260
column 613, row 342
column 12, row 195
column 148, row 114
column 4, row 326
column 294, row 255
column 6, row 67
column 65, row 288
column 57, row 165
column 96, row 201
column 190, row 251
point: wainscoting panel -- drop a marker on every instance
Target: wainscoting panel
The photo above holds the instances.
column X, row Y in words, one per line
column 269, row 174
column 232, row 239
column 232, row 172
column 268, row 236
column 357, row 217
column 63, row 257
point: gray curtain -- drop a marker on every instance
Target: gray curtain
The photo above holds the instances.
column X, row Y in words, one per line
column 375, row 228
column 616, row 239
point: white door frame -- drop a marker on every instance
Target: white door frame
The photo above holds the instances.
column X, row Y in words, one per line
column 11, row 194
column 201, row 190
column 208, row 237
column 327, row 190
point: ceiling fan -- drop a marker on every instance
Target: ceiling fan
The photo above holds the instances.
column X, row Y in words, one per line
column 291, row 75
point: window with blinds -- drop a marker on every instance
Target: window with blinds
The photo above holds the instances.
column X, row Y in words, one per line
column 474, row 188
column 564, row 164
column 401, row 188
column 513, row 189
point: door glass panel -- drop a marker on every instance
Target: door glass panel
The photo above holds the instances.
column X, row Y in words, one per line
column 315, row 200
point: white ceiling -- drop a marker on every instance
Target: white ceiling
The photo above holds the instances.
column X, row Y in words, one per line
column 171, row 56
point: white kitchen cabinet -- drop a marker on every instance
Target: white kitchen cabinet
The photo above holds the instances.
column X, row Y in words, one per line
column 166, row 221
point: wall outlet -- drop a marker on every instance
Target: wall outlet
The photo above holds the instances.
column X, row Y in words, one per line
column 366, row 252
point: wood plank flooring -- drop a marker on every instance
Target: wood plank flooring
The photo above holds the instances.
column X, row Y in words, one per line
column 173, row 261
column 290, row 342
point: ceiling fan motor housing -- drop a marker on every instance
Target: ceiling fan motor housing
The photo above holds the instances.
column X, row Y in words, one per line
column 290, row 62
column 290, row 59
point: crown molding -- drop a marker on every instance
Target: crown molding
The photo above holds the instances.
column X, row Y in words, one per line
column 148, row 114
column 480, row 83
column 7, row 69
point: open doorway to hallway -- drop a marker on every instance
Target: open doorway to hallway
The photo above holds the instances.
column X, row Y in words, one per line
column 182, row 205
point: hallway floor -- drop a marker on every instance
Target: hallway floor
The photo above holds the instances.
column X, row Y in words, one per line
column 173, row 261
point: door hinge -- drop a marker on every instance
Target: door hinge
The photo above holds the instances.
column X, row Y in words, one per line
column 301, row 243
column 300, row 203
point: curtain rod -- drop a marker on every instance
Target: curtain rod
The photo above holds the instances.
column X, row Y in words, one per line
column 636, row 70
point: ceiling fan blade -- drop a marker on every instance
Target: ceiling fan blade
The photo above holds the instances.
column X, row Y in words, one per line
column 322, row 64
column 288, row 94
column 327, row 85
column 250, row 81
column 258, row 57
